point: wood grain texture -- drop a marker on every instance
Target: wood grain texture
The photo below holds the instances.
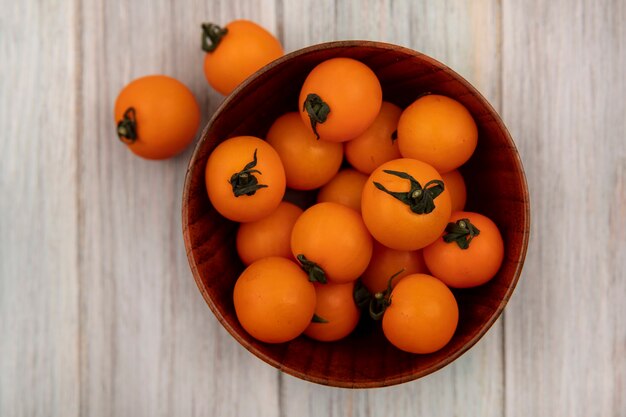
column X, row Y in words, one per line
column 98, row 311
column 149, row 344
column 564, row 89
column 39, row 332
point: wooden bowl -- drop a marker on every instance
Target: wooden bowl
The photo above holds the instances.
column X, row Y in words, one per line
column 496, row 187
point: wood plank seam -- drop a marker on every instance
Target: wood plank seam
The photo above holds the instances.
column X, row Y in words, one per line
column 80, row 204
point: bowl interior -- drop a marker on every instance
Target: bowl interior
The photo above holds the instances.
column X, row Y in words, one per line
column 496, row 188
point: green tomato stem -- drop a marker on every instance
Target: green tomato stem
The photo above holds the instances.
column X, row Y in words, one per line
column 127, row 127
column 317, row 110
column 212, row 35
column 462, row 232
column 421, row 200
column 244, row 182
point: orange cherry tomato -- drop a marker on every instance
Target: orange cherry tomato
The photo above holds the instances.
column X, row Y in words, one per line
column 378, row 143
column 336, row 314
column 269, row 236
column 245, row 179
column 455, row 184
column 235, row 52
column 345, row 188
column 470, row 252
column 439, row 131
column 157, row 116
column 331, row 242
column 340, row 99
column 274, row 300
column 386, row 262
column 417, row 212
column 309, row 163
column 422, row 316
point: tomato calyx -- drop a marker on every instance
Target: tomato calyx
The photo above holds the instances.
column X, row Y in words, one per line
column 244, row 182
column 421, row 200
column 316, row 273
column 127, row 127
column 317, row 110
column 462, row 232
column 318, row 319
column 381, row 300
column 212, row 34
column 376, row 303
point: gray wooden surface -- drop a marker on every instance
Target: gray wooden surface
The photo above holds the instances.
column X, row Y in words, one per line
column 99, row 314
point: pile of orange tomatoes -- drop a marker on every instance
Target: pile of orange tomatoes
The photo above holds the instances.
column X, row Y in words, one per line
column 387, row 235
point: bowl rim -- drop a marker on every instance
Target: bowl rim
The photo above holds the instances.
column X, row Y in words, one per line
column 400, row 378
